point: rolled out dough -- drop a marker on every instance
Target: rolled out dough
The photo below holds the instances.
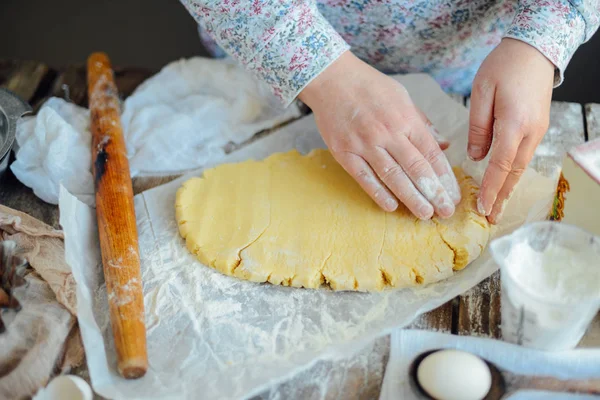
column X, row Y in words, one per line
column 302, row 221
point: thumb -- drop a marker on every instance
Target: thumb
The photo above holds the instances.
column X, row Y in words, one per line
column 481, row 119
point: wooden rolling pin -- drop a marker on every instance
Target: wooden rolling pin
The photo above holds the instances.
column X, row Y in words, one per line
column 116, row 220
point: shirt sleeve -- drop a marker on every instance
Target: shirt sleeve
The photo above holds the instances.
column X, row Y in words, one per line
column 285, row 43
column 555, row 28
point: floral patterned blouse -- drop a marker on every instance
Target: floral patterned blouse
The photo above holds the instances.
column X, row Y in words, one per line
column 287, row 43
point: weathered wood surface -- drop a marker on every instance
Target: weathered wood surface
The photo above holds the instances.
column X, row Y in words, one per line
column 479, row 309
column 71, row 83
column 15, row 195
column 438, row 320
column 24, row 78
column 476, row 312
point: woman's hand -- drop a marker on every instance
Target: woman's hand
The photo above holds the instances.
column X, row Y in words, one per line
column 510, row 103
column 381, row 138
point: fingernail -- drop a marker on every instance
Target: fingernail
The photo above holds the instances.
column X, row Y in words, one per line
column 480, row 207
column 475, row 152
column 446, row 211
column 451, row 185
column 494, row 219
column 426, row 211
column 500, row 213
column 391, row 204
column 445, row 205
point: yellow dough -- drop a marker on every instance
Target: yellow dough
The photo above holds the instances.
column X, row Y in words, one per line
column 302, row 221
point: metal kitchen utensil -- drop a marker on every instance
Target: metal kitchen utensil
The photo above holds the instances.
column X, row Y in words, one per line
column 12, row 268
column 11, row 109
column 505, row 383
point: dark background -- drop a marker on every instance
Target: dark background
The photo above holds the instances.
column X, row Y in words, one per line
column 151, row 33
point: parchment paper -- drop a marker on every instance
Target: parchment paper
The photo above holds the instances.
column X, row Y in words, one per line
column 216, row 337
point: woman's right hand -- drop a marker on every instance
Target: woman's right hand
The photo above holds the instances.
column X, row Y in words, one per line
column 381, row 138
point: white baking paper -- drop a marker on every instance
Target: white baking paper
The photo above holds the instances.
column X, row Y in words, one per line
column 406, row 345
column 215, row 337
column 174, row 122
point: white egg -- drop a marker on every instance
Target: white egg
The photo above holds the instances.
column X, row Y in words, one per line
column 454, row 375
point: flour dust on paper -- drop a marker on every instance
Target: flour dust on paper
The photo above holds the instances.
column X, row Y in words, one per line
column 302, row 221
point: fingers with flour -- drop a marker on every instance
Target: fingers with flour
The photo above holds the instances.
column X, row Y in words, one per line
column 507, row 139
column 422, row 175
column 434, row 155
column 373, row 145
column 394, row 177
column 510, row 109
column 360, row 170
column 519, row 165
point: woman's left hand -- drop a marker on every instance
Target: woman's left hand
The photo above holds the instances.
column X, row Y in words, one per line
column 510, row 102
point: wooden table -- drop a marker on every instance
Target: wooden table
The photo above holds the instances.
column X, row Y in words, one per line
column 476, row 312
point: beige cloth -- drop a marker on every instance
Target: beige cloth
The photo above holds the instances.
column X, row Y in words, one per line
column 42, row 339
